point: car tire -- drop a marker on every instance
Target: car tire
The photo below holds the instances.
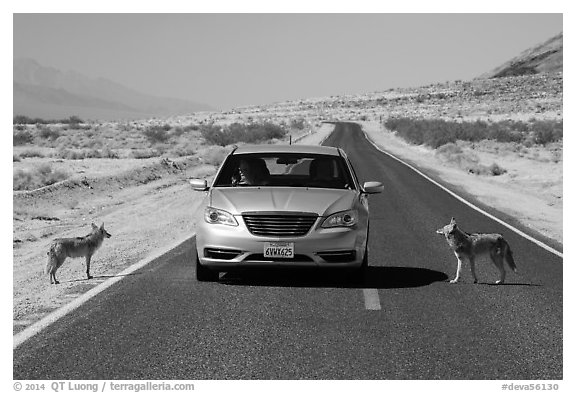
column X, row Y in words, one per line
column 205, row 274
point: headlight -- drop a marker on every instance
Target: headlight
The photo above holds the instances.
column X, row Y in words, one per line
column 346, row 218
column 217, row 216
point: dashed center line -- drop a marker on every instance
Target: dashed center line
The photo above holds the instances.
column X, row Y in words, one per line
column 371, row 299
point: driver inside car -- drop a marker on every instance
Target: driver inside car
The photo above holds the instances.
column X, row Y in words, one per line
column 251, row 172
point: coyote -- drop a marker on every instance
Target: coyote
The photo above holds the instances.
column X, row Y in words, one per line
column 471, row 245
column 75, row 247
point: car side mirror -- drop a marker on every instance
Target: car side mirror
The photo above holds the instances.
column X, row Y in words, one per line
column 373, row 187
column 199, row 184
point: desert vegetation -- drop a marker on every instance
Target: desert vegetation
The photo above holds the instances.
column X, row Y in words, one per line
column 438, row 132
column 39, row 176
column 21, row 119
column 449, row 137
column 37, row 141
column 246, row 133
column 467, row 160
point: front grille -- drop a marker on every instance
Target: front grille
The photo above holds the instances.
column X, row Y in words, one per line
column 285, row 224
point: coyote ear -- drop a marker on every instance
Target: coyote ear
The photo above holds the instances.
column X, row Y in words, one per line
column 102, row 226
column 94, row 226
column 452, row 221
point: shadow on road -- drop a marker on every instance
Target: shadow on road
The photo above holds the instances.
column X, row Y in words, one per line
column 381, row 277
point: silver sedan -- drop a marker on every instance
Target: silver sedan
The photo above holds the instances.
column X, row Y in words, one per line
column 283, row 206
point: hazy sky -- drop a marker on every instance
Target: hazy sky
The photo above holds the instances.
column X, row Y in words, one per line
column 228, row 60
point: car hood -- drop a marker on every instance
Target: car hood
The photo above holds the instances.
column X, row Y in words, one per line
column 320, row 201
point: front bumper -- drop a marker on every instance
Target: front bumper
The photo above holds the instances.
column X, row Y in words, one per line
column 224, row 248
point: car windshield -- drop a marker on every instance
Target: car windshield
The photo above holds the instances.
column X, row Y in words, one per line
column 285, row 170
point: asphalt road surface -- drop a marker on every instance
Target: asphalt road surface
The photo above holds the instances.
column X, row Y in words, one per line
column 404, row 321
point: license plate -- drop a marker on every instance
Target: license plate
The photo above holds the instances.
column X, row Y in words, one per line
column 279, row 250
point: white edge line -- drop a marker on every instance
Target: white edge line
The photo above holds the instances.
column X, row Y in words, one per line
column 49, row 319
column 518, row 231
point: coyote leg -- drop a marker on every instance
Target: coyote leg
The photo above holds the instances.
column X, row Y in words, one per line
column 458, row 270
column 88, row 257
column 473, row 269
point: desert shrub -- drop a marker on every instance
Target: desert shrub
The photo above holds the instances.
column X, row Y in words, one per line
column 436, row 132
column 145, row 153
column 157, row 134
column 80, row 154
column 449, row 150
column 22, row 180
column 298, row 123
column 108, row 153
column 178, row 131
column 191, row 127
column 69, row 154
column 48, row 133
column 214, row 155
column 215, row 135
column 181, row 151
column 546, row 132
column 91, row 143
column 496, row 170
column 467, row 161
column 483, row 170
column 92, row 153
column 22, row 137
column 21, row 119
column 72, row 140
column 238, row 132
column 29, row 153
column 74, row 123
column 454, row 154
column 41, row 176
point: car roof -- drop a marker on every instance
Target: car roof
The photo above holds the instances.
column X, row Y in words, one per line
column 306, row 149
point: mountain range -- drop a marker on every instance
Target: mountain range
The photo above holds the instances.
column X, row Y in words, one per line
column 50, row 93
column 545, row 57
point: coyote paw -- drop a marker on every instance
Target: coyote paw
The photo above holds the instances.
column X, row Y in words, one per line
column 90, row 277
column 454, row 281
column 499, row 282
column 475, row 281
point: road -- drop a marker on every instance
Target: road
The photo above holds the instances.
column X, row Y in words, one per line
column 405, row 321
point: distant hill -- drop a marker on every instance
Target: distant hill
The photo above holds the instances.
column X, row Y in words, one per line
column 49, row 93
column 546, row 57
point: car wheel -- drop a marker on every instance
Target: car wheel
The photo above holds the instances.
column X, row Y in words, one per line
column 205, row 274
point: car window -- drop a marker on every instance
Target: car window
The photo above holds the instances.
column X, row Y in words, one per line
column 285, row 170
